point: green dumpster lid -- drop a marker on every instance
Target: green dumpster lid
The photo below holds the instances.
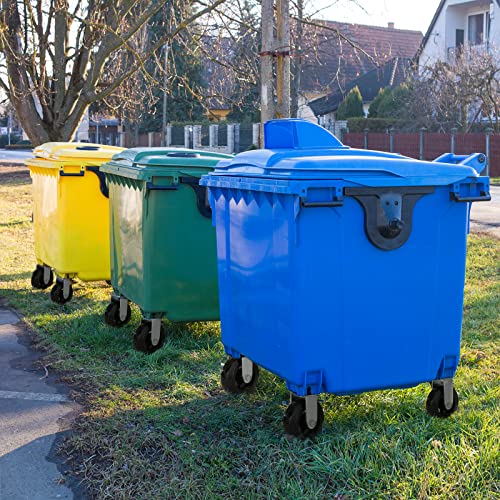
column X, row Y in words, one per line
column 142, row 163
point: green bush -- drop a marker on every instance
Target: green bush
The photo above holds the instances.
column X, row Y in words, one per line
column 374, row 106
column 379, row 124
column 351, row 106
column 4, row 140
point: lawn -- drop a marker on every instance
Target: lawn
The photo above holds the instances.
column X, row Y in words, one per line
column 160, row 426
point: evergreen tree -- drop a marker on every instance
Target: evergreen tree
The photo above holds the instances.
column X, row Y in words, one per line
column 184, row 72
column 351, row 106
column 373, row 110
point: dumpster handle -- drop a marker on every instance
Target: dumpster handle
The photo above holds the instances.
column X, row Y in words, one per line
column 486, row 197
column 388, row 212
column 102, row 180
column 62, row 173
column 155, row 187
column 95, row 170
column 201, row 195
column 192, row 182
column 316, row 204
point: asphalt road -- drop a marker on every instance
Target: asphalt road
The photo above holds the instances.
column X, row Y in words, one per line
column 33, row 412
column 14, row 157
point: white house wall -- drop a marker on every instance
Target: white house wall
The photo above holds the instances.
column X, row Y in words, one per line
column 453, row 16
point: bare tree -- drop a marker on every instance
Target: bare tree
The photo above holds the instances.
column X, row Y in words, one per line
column 459, row 92
column 56, row 52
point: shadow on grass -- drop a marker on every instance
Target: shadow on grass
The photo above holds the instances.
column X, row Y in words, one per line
column 15, row 178
column 15, row 223
column 15, row 276
column 370, row 447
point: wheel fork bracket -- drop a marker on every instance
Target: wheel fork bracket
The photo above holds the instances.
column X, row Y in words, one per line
column 311, row 411
column 66, row 287
column 123, row 308
column 46, row 274
column 447, row 385
column 155, row 330
column 246, row 369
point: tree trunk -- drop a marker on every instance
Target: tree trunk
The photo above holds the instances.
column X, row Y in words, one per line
column 297, row 63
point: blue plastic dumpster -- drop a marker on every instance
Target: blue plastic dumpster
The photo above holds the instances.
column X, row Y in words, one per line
column 341, row 270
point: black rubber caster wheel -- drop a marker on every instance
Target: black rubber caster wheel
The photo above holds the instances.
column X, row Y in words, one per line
column 112, row 314
column 435, row 403
column 295, row 423
column 57, row 293
column 142, row 338
column 231, row 377
column 37, row 279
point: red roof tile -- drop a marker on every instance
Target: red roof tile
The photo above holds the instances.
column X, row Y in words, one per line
column 330, row 62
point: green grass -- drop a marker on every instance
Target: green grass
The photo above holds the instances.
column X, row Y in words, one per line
column 160, row 426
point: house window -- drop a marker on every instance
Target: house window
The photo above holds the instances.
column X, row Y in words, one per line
column 478, row 28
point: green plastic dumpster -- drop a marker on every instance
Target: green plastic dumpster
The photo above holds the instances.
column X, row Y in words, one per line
column 163, row 249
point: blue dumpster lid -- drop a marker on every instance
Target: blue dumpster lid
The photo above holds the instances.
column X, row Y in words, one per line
column 141, row 163
column 300, row 150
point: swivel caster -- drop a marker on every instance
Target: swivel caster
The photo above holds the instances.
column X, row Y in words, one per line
column 304, row 417
column 150, row 336
column 62, row 291
column 42, row 277
column 443, row 399
column 239, row 375
column 118, row 312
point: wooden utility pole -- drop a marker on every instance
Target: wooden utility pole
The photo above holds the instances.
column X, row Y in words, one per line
column 164, row 113
column 283, row 58
column 297, row 62
column 266, row 62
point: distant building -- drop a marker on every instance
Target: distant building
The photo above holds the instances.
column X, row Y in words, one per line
column 456, row 22
column 392, row 74
column 333, row 56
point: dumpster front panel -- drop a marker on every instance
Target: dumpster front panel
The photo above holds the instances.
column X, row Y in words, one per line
column 181, row 263
column 71, row 220
column 307, row 295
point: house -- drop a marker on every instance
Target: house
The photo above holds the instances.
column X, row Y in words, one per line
column 332, row 55
column 339, row 56
column 391, row 74
column 456, row 22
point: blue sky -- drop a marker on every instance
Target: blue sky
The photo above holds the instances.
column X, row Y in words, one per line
column 406, row 14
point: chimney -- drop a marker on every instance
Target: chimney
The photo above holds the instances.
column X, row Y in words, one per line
column 390, row 26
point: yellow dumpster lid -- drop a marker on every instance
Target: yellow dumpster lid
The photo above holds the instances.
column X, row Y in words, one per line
column 64, row 151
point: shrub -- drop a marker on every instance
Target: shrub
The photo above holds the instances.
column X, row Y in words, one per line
column 351, row 106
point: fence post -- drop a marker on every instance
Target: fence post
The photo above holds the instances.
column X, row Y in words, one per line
column 196, row 136
column 343, row 132
column 488, row 132
column 365, row 137
column 422, row 133
column 236, row 137
column 151, row 136
column 452, row 145
column 255, row 134
column 391, row 139
column 230, row 139
column 187, row 136
column 213, row 136
column 168, row 139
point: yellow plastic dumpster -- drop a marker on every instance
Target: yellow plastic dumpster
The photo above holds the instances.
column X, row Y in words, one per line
column 70, row 215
